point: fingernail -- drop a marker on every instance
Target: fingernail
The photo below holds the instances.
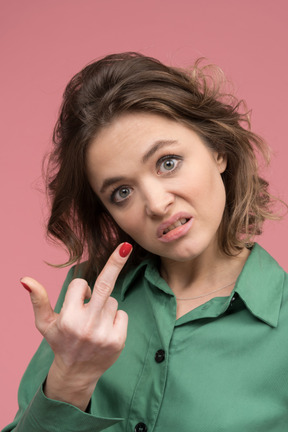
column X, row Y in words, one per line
column 125, row 249
column 26, row 287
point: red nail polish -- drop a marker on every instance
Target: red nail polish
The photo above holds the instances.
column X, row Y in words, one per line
column 125, row 249
column 26, row 287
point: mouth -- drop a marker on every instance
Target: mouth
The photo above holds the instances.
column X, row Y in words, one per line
column 178, row 223
column 175, row 227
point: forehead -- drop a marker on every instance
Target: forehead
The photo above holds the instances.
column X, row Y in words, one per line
column 138, row 127
column 135, row 133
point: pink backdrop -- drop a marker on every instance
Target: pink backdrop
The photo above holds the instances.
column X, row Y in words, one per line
column 43, row 43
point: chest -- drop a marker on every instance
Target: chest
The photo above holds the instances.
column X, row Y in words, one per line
column 223, row 373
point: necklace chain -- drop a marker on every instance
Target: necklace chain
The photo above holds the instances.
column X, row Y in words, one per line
column 205, row 295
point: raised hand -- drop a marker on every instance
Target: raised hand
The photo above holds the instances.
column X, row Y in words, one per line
column 86, row 338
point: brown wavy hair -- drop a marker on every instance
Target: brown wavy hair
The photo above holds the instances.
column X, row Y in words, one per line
column 132, row 82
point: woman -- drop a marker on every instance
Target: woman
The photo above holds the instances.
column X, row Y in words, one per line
column 153, row 157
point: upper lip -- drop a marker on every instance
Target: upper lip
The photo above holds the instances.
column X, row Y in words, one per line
column 173, row 219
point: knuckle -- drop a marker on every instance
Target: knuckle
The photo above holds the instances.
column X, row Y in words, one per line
column 115, row 260
column 39, row 301
column 72, row 331
column 65, row 325
column 85, row 336
column 109, row 342
column 114, row 265
column 77, row 283
column 112, row 303
column 39, row 326
column 122, row 314
column 102, row 287
column 118, row 342
column 101, row 340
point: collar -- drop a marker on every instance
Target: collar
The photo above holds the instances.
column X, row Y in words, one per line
column 259, row 285
column 127, row 281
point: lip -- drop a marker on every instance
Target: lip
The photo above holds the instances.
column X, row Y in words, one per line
column 176, row 232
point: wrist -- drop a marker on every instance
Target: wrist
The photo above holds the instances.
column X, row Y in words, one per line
column 68, row 386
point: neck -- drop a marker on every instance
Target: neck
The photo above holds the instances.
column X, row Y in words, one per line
column 204, row 273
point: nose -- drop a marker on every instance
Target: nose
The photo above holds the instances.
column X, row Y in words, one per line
column 157, row 199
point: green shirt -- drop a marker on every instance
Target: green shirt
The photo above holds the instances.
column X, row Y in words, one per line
column 221, row 367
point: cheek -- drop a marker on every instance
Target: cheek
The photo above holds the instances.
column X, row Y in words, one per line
column 127, row 220
column 210, row 196
column 218, row 197
column 201, row 186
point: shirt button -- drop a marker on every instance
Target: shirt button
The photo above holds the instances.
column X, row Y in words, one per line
column 141, row 427
column 160, row 356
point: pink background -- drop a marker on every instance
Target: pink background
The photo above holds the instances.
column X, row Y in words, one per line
column 43, row 43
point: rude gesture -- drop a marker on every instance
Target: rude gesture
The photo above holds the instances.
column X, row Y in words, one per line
column 86, row 338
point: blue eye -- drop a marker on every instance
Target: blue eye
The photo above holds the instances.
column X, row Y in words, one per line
column 120, row 194
column 168, row 164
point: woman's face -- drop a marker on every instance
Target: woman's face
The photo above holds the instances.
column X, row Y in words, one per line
column 160, row 182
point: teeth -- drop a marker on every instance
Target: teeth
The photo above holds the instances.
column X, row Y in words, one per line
column 175, row 225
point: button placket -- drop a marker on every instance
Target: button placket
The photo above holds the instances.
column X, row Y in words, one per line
column 154, row 373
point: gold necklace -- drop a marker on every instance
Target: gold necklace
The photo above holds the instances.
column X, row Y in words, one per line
column 205, row 295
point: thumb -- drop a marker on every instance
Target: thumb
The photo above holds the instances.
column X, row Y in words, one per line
column 43, row 312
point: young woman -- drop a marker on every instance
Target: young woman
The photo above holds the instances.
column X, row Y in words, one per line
column 154, row 171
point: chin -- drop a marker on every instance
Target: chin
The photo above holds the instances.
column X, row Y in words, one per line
column 191, row 251
column 181, row 256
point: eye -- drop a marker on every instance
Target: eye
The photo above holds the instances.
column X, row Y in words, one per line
column 120, row 194
column 168, row 164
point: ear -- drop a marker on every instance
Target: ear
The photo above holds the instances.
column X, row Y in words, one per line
column 221, row 161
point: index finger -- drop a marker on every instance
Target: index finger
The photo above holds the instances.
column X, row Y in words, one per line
column 105, row 282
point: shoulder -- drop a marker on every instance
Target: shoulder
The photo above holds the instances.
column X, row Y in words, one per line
column 261, row 260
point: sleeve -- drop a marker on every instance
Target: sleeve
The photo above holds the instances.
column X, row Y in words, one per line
column 36, row 412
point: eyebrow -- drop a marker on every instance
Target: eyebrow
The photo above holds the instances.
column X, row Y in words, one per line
column 109, row 182
column 154, row 148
